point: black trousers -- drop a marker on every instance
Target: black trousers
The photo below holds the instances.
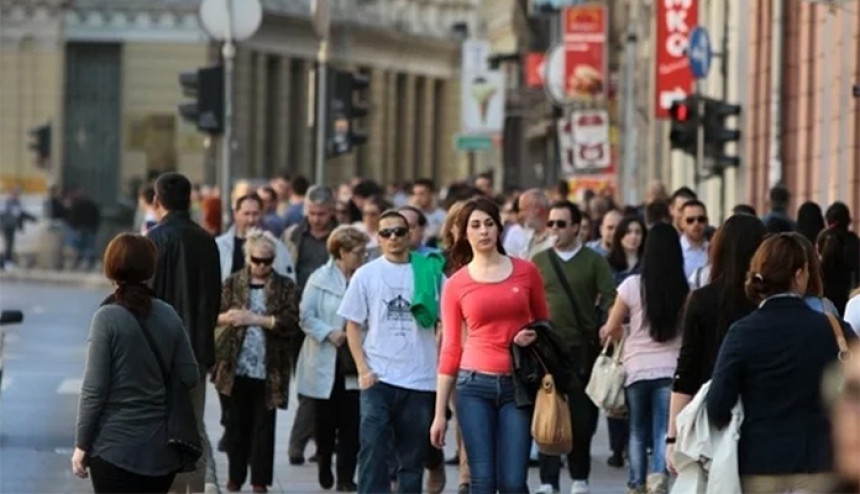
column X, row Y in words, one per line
column 250, row 433
column 336, row 429
column 109, row 478
column 584, row 415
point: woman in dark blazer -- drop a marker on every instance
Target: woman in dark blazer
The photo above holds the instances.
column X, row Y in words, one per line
column 773, row 361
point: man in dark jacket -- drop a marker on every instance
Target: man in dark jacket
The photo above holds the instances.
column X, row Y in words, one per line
column 188, row 277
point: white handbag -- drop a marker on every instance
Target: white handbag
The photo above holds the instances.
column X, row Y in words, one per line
column 606, row 386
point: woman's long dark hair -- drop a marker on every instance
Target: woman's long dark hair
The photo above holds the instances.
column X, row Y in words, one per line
column 129, row 261
column 731, row 251
column 664, row 285
column 461, row 253
column 617, row 257
column 810, row 220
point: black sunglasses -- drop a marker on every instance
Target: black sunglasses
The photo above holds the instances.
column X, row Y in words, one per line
column 558, row 223
column 397, row 231
column 693, row 219
column 262, row 261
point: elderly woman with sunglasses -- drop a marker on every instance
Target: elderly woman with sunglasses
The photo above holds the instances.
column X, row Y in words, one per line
column 260, row 309
column 326, row 372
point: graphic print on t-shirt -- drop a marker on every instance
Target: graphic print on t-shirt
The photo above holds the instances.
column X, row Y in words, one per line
column 397, row 309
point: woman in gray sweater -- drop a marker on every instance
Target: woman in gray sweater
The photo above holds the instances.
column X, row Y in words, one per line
column 122, row 425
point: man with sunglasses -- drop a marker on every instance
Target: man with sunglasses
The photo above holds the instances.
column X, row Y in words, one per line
column 576, row 279
column 694, row 241
column 396, row 360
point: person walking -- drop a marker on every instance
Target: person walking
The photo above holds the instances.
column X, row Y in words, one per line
column 12, row 219
column 711, row 310
column 576, row 279
column 625, row 259
column 188, row 277
column 326, row 371
column 307, row 243
column 121, row 428
column 261, row 311
column 653, row 300
column 391, row 308
column 773, row 360
column 493, row 296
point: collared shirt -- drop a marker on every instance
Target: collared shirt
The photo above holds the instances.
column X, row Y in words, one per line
column 538, row 244
column 694, row 257
column 597, row 246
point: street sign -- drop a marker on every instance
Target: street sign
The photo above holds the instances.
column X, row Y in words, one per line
column 474, row 143
column 699, row 52
column 591, row 146
column 244, row 17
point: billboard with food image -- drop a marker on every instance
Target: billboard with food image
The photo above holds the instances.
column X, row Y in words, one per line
column 585, row 52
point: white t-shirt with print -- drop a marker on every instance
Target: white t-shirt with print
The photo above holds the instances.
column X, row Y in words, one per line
column 397, row 349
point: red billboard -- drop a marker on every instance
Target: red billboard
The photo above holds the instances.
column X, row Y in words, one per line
column 675, row 20
column 585, row 47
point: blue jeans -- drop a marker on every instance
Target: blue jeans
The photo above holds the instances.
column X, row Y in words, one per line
column 496, row 434
column 389, row 411
column 648, row 402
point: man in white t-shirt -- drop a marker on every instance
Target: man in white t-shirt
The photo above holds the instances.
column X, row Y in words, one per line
column 396, row 361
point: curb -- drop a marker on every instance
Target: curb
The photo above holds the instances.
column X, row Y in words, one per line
column 90, row 280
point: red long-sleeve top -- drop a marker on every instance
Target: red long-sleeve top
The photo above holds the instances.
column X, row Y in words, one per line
column 493, row 313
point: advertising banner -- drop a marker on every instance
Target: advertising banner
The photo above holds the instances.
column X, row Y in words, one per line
column 585, row 52
column 674, row 80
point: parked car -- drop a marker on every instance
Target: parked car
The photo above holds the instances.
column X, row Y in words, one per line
column 7, row 317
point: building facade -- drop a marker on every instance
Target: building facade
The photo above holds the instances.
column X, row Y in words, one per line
column 804, row 129
column 104, row 74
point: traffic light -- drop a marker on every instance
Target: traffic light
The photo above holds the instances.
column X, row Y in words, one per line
column 346, row 107
column 206, row 88
column 41, row 143
column 717, row 134
column 685, row 122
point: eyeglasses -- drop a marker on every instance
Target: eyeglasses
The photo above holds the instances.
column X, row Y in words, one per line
column 558, row 223
column 370, row 213
column 397, row 231
column 262, row 261
column 360, row 253
column 695, row 219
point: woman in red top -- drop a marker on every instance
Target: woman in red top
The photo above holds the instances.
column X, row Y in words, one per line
column 494, row 296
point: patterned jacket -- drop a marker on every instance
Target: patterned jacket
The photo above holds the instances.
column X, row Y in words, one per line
column 282, row 301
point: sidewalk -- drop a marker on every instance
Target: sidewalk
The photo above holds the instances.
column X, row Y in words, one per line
column 92, row 279
column 303, row 479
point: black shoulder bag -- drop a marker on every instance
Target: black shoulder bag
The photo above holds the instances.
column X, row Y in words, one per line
column 586, row 356
column 182, row 435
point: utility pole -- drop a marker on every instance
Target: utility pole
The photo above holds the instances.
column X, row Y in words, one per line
column 629, row 109
column 229, row 53
column 321, row 12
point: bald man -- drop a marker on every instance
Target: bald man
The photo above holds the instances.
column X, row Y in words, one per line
column 607, row 230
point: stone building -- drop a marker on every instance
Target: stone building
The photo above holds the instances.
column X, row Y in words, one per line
column 104, row 74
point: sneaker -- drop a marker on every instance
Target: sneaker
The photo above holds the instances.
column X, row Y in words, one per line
column 464, row 489
column 579, row 487
column 546, row 489
column 657, row 483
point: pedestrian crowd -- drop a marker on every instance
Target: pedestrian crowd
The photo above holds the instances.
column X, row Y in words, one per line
column 721, row 356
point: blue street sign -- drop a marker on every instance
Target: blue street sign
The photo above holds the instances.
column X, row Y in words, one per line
column 699, row 52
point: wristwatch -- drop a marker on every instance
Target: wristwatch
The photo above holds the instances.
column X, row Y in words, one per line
column 670, row 440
